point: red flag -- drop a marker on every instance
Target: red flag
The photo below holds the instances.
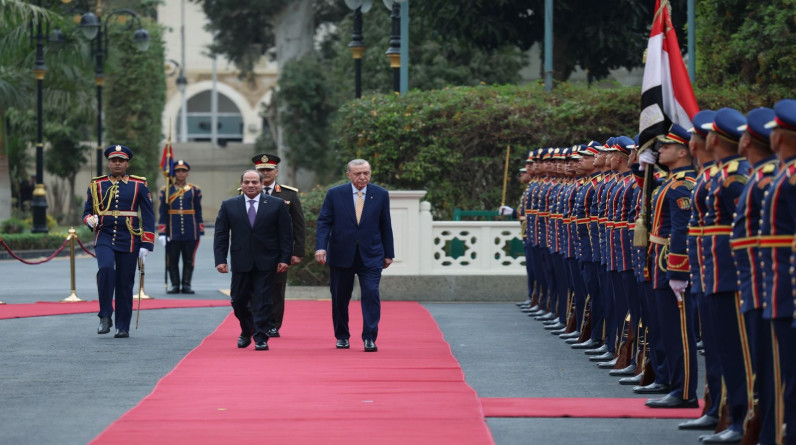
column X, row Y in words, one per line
column 666, row 93
column 167, row 161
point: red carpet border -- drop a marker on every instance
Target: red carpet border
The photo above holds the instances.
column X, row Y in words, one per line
column 304, row 391
column 42, row 309
column 581, row 407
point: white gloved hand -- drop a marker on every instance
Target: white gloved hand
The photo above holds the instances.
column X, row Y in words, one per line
column 142, row 253
column 649, row 157
column 678, row 286
column 505, row 210
column 163, row 239
column 92, row 221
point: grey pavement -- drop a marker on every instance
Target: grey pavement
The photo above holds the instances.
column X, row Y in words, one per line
column 61, row 383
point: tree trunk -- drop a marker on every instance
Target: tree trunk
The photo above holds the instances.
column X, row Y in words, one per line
column 294, row 30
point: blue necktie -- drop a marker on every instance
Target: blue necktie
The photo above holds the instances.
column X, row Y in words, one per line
column 252, row 212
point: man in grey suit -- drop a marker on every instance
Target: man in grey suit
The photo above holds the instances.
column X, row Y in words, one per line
column 256, row 230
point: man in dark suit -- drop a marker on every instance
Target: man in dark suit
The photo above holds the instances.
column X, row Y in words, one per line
column 268, row 166
column 354, row 236
column 260, row 246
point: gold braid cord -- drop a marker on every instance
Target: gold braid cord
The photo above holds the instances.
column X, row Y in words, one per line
column 98, row 204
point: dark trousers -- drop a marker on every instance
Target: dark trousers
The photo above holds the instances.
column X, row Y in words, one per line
column 628, row 284
column 655, row 345
column 186, row 250
column 278, row 287
column 252, row 315
column 116, row 275
column 578, row 289
column 592, row 282
column 712, row 361
column 759, row 334
column 678, row 324
column 607, row 294
column 541, row 277
column 785, row 362
column 729, row 327
column 341, row 285
column 620, row 308
column 529, row 269
column 550, row 279
column 562, row 285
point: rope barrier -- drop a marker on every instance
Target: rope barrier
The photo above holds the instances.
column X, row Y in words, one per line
column 84, row 248
column 17, row 257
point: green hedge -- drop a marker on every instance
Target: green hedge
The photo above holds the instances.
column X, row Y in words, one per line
column 452, row 142
column 39, row 241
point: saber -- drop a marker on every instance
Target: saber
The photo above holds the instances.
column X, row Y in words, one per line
column 140, row 288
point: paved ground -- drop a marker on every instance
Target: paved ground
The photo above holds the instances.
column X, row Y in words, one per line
column 62, row 383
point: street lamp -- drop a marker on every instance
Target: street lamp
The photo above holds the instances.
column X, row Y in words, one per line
column 39, row 203
column 95, row 30
column 357, row 45
column 394, row 51
column 182, row 85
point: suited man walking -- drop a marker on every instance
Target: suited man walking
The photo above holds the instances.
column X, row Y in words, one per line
column 256, row 229
column 354, row 237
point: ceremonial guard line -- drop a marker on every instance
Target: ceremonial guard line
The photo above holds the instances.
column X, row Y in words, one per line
column 640, row 256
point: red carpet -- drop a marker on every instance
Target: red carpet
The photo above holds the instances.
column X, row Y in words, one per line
column 304, row 391
column 43, row 308
column 581, row 407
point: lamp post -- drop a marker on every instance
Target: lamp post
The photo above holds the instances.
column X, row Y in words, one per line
column 357, row 45
column 95, row 30
column 394, row 51
column 182, row 84
column 39, row 203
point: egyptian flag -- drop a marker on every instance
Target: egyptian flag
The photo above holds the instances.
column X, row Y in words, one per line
column 167, row 162
column 666, row 93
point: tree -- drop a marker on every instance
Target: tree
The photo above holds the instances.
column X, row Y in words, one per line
column 63, row 160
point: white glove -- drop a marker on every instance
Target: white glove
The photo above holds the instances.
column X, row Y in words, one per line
column 142, row 253
column 678, row 286
column 163, row 239
column 649, row 157
column 92, row 221
column 505, row 210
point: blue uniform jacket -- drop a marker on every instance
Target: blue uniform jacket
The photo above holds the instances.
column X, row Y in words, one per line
column 118, row 204
column 181, row 218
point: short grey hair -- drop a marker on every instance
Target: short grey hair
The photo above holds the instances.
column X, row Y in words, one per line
column 260, row 175
column 355, row 162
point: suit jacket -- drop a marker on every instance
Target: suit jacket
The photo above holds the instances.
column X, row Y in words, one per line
column 339, row 234
column 291, row 197
column 269, row 242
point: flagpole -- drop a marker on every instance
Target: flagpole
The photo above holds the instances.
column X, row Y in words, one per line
column 167, row 179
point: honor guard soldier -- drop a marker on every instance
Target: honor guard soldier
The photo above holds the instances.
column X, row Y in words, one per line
column 777, row 231
column 179, row 227
column 112, row 208
column 267, row 165
column 671, row 210
column 754, row 146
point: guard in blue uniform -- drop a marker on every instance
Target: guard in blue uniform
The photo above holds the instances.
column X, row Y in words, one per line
column 720, row 283
column 671, row 210
column 777, row 230
column 180, row 225
column 112, row 208
column 754, row 146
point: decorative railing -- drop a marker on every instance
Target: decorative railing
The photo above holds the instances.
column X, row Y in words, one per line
column 427, row 247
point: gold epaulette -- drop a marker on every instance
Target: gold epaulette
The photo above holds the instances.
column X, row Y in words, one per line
column 769, row 168
column 289, row 187
column 680, row 175
column 140, row 178
column 713, row 170
column 97, row 178
column 732, row 167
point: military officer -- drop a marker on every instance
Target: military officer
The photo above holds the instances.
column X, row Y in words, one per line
column 113, row 204
column 671, row 210
column 179, row 227
column 268, row 166
column 777, row 230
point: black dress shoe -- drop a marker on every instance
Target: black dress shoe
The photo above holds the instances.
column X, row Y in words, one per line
column 121, row 334
column 703, row 423
column 559, row 332
column 105, row 325
column 573, row 334
column 555, row 326
column 174, row 290
column 588, row 344
column 370, row 346
column 572, row 341
column 597, row 351
column 726, row 436
column 629, row 370
column 635, row 380
column 545, row 317
column 186, row 289
column 524, row 303
column 602, row 358
column 244, row 341
column 342, row 343
column 273, row 332
column 652, row 388
column 607, row 365
column 261, row 346
column 670, row 401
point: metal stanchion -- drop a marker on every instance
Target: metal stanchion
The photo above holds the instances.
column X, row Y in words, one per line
column 71, row 237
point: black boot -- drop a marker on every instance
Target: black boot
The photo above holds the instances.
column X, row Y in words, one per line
column 187, row 273
column 174, row 274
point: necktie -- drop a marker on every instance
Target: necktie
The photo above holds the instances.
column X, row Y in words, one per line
column 360, row 205
column 268, row 190
column 252, row 212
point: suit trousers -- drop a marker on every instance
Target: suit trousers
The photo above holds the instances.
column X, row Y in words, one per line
column 175, row 249
column 116, row 275
column 677, row 321
column 279, row 285
column 341, row 285
column 254, row 285
column 712, row 361
column 733, row 352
